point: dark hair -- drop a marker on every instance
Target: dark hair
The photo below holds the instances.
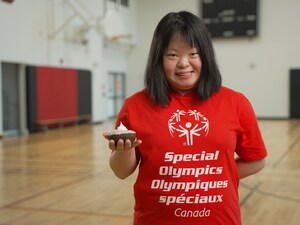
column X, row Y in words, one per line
column 194, row 32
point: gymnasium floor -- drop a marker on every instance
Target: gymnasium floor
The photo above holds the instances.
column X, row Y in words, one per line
column 62, row 177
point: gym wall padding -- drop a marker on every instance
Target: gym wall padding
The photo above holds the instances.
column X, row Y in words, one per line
column 84, row 96
column 56, row 94
column 295, row 93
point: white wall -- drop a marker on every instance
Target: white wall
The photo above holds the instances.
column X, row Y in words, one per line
column 26, row 28
column 258, row 67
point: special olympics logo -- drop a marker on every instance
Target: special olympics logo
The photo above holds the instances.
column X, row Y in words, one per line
column 189, row 128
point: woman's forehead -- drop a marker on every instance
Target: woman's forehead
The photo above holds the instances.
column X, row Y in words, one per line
column 181, row 38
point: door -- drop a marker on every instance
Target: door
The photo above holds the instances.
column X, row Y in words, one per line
column 10, row 99
column 116, row 92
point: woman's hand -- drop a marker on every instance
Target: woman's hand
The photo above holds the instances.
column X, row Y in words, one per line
column 121, row 145
column 123, row 159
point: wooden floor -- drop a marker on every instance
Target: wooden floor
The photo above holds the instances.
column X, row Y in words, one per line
column 62, row 177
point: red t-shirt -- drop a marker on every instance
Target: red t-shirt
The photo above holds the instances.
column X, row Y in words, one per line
column 187, row 172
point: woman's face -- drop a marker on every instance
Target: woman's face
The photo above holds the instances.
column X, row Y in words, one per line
column 182, row 65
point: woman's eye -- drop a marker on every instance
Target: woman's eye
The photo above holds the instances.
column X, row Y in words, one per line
column 171, row 55
column 194, row 54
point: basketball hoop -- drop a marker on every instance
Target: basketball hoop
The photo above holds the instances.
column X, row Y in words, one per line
column 113, row 27
column 121, row 38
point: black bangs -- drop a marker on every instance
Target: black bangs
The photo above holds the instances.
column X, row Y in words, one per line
column 181, row 26
column 188, row 37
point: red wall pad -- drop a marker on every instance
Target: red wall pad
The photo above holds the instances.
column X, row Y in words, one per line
column 57, row 96
column 56, row 93
column 8, row 1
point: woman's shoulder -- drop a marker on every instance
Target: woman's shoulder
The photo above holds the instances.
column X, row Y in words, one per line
column 228, row 92
column 236, row 98
column 138, row 96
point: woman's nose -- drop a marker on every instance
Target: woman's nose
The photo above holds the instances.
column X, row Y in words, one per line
column 183, row 62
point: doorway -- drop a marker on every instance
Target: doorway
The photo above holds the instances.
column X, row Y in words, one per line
column 10, row 98
column 116, row 92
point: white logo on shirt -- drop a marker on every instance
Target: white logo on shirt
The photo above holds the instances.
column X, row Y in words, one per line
column 193, row 124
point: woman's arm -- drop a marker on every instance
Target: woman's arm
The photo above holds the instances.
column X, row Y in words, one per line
column 123, row 160
column 247, row 168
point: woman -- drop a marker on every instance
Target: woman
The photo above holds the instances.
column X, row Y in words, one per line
column 195, row 138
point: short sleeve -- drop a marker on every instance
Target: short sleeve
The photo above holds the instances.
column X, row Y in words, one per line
column 123, row 116
column 250, row 144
